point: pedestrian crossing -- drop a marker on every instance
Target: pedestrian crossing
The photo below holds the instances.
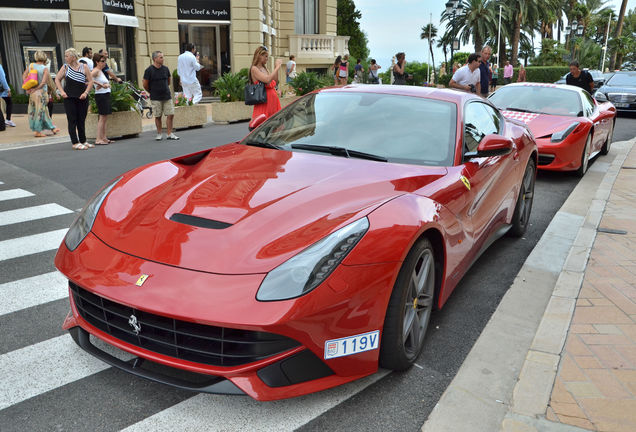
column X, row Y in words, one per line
column 37, row 369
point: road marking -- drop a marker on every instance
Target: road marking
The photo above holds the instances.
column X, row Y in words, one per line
column 38, row 368
column 32, row 213
column 13, row 194
column 218, row 412
column 32, row 244
column 32, row 291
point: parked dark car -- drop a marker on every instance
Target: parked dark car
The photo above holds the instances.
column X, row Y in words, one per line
column 597, row 75
column 620, row 89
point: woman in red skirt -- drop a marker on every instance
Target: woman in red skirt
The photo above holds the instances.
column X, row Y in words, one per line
column 258, row 72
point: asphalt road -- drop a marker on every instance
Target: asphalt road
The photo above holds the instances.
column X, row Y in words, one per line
column 399, row 401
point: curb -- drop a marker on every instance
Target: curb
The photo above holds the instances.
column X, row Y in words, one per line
column 506, row 380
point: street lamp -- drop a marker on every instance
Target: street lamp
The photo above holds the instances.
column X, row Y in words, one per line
column 574, row 29
column 454, row 8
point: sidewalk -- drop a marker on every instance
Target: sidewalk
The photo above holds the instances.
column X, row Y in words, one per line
column 22, row 135
column 559, row 353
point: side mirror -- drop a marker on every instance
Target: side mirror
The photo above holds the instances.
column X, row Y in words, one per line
column 491, row 145
column 257, row 121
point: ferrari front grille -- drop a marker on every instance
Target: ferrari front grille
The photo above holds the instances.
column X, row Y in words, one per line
column 210, row 345
column 545, row 159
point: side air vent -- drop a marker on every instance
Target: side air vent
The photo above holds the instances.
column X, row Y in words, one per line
column 198, row 221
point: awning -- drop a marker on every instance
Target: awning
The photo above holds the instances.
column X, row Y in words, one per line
column 39, row 15
column 121, row 20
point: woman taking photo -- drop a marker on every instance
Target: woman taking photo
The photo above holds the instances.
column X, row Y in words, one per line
column 399, row 73
column 102, row 97
column 77, row 83
column 39, row 119
column 336, row 70
column 258, row 72
column 343, row 71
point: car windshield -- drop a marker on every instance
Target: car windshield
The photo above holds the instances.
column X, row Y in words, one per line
column 538, row 99
column 596, row 74
column 623, row 80
column 400, row 129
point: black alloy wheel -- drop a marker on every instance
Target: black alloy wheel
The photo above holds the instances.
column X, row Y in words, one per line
column 521, row 216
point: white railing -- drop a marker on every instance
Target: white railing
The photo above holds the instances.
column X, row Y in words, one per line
column 317, row 46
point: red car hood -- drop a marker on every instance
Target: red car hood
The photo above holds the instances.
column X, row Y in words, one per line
column 267, row 206
column 542, row 125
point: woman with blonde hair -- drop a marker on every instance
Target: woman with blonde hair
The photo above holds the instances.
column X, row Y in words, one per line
column 77, row 83
column 39, row 119
column 258, row 72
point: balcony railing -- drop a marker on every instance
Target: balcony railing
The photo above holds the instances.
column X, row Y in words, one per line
column 308, row 47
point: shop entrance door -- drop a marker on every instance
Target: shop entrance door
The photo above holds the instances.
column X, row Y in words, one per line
column 212, row 43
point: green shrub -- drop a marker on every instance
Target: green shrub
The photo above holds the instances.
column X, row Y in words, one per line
column 306, row 82
column 121, row 99
column 176, row 81
column 444, row 80
column 231, row 86
column 542, row 74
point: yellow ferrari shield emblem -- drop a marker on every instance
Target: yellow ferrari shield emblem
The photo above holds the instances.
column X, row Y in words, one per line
column 466, row 182
column 141, row 280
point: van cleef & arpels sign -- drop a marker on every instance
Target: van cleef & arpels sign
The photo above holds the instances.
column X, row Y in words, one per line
column 208, row 10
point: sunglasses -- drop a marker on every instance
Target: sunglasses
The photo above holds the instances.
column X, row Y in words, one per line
column 264, row 48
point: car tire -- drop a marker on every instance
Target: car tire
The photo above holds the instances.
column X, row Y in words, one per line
column 585, row 157
column 409, row 309
column 521, row 216
column 608, row 142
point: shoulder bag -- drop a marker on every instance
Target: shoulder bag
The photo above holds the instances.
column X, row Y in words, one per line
column 255, row 94
column 31, row 79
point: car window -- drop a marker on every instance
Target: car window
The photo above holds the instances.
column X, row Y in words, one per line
column 538, row 99
column 402, row 129
column 588, row 104
column 479, row 120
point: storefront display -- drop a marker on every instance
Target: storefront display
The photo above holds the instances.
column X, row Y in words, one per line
column 119, row 30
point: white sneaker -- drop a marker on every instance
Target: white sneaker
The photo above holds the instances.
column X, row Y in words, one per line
column 9, row 123
column 172, row 136
column 159, row 137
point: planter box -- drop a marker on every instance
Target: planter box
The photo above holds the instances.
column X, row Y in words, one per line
column 229, row 112
column 189, row 116
column 124, row 123
column 58, row 108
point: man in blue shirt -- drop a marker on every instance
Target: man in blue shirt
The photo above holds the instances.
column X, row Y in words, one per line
column 484, row 70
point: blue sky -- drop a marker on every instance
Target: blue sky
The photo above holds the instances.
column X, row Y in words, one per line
column 395, row 25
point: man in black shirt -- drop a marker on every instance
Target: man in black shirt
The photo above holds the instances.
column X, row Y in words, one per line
column 157, row 83
column 579, row 78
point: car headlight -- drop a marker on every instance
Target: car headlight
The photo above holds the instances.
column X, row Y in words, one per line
column 305, row 271
column 563, row 134
column 600, row 96
column 84, row 222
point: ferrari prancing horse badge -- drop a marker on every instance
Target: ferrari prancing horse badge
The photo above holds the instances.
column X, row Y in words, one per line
column 141, row 280
column 466, row 182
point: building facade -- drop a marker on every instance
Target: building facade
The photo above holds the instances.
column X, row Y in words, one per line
column 225, row 32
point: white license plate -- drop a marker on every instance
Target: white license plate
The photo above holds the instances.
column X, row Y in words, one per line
column 621, row 105
column 352, row 345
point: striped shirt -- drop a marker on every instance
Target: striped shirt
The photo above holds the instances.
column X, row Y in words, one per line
column 76, row 75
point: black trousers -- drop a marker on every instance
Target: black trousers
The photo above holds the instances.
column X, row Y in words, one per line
column 9, row 102
column 2, row 125
column 76, row 110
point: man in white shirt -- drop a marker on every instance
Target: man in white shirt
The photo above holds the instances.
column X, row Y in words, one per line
column 187, row 67
column 468, row 76
column 87, row 57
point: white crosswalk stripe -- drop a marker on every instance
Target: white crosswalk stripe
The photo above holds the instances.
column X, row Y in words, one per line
column 217, row 412
column 13, row 194
column 32, row 213
column 32, row 291
column 32, row 244
column 38, row 368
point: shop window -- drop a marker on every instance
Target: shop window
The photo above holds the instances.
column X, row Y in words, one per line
column 115, row 45
column 306, row 16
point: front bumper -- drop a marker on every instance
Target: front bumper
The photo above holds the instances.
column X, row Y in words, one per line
column 351, row 301
column 563, row 156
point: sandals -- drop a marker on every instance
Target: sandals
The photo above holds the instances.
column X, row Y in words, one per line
column 55, row 130
column 89, row 145
column 102, row 142
column 39, row 135
column 79, row 146
column 110, row 141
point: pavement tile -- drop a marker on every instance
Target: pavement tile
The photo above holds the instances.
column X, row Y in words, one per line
column 560, row 393
column 587, row 362
column 628, row 330
column 568, row 409
column 608, row 329
column 605, row 339
column 578, row 422
column 616, row 295
column 582, row 389
column 628, row 352
column 626, row 376
column 601, row 302
column 575, row 346
column 569, row 371
column 609, row 357
column 611, row 414
column 550, row 415
column 582, row 328
column 589, row 292
column 583, row 302
column 607, row 384
column 600, row 315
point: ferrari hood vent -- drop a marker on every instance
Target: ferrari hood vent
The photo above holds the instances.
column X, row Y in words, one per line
column 199, row 221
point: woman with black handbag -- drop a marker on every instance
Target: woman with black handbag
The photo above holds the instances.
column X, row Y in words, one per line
column 260, row 76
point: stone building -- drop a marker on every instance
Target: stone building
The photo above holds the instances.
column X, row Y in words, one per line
column 226, row 33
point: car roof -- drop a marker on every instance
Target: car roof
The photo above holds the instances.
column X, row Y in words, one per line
column 533, row 84
column 455, row 96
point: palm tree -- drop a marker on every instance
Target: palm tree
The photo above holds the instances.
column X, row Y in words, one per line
column 477, row 20
column 619, row 29
column 525, row 14
column 444, row 42
column 429, row 31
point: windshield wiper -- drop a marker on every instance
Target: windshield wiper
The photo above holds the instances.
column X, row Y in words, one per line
column 518, row 110
column 262, row 144
column 339, row 151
